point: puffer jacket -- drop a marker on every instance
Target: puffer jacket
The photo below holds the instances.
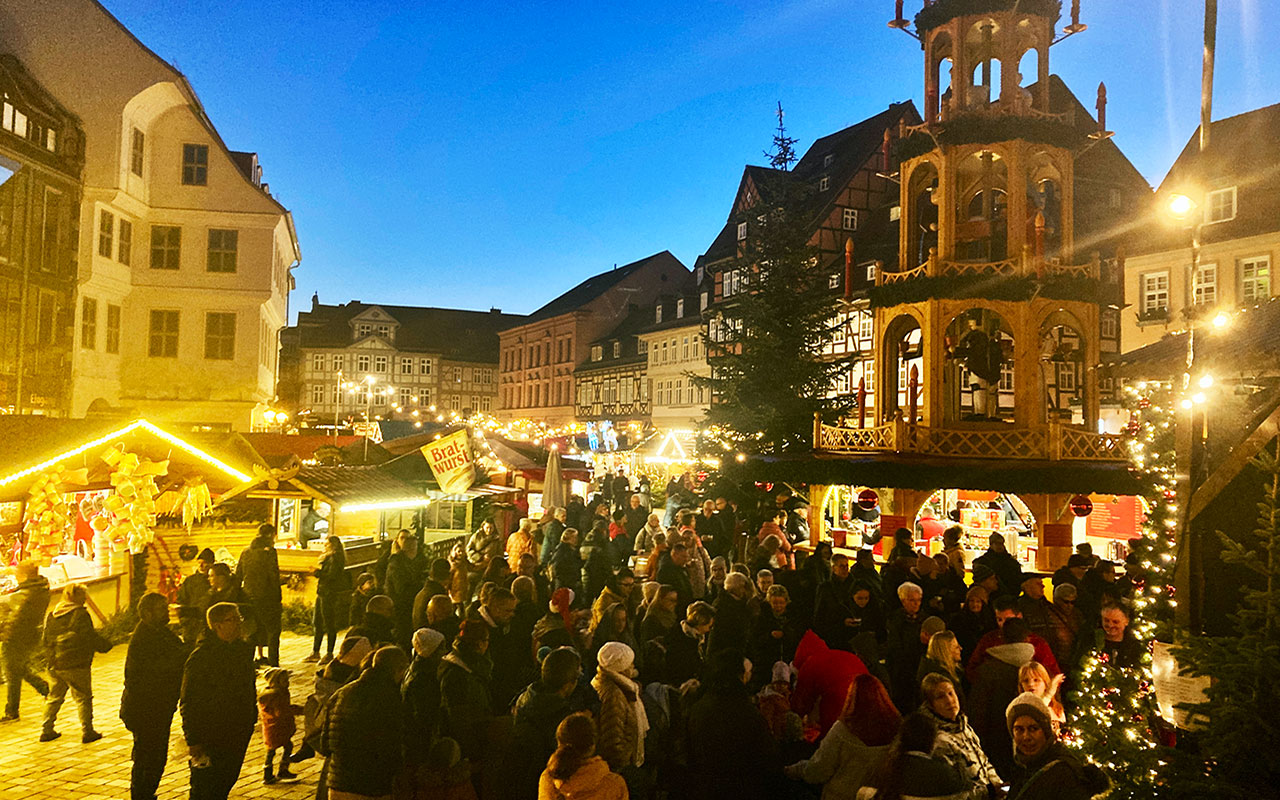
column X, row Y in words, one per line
column 71, row 639
column 25, row 610
column 958, row 745
column 538, row 711
column 1057, row 774
column 464, row 691
column 592, row 781
column 363, row 734
column 219, row 701
column 842, row 765
column 259, row 572
column 619, row 729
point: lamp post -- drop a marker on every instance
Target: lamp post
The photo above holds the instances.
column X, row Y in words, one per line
column 369, row 381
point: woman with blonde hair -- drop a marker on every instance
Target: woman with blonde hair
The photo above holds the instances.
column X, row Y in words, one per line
column 943, row 657
column 1034, row 678
column 575, row 770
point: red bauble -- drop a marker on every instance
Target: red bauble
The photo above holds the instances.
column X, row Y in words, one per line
column 868, row 499
column 1081, row 505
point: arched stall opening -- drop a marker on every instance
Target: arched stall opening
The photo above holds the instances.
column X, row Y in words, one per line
column 979, row 514
column 903, row 361
column 982, row 232
column 922, row 212
column 1062, row 368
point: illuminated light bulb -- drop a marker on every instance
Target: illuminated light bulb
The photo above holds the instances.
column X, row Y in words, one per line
column 1221, row 320
column 1186, row 404
column 1206, row 381
column 1198, row 398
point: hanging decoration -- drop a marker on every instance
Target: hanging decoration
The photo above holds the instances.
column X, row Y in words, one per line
column 49, row 516
column 132, row 503
column 1081, row 505
column 868, row 499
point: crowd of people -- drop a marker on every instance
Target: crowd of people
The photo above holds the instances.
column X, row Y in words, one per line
column 602, row 653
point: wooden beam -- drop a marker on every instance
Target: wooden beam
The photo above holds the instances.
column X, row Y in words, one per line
column 1234, row 463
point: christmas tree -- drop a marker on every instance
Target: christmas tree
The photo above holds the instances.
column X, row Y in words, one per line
column 1115, row 719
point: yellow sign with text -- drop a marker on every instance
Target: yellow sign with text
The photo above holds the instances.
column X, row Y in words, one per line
column 450, row 460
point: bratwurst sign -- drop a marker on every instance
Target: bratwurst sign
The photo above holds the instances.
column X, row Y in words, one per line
column 450, row 460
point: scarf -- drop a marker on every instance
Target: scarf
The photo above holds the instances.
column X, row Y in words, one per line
column 631, row 691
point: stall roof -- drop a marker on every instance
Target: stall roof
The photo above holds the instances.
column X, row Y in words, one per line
column 276, row 449
column 30, row 445
column 881, row 470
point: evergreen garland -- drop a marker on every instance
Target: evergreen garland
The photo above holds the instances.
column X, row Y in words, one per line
column 982, row 129
column 990, row 287
column 943, row 11
column 1114, row 721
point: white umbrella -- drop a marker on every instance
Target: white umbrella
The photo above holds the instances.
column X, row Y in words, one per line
column 553, row 493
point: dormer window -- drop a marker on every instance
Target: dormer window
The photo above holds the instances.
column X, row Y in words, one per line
column 697, row 275
column 742, row 231
column 617, row 349
column 827, row 159
column 1220, row 205
column 849, row 220
column 657, row 314
column 824, row 183
column 704, row 301
column 363, row 329
column 680, row 308
column 384, row 331
column 597, row 352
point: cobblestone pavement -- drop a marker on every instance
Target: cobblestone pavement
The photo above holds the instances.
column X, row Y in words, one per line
column 65, row 769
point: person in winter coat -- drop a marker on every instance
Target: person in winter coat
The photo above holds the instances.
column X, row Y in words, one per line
column 337, row 673
column 566, row 564
column 597, row 562
column 995, row 688
column 622, row 721
column 405, row 576
column 421, row 694
column 484, row 544
column 258, row 572
column 363, row 731
column 864, row 572
column 332, row 585
column 1065, row 622
column 942, row 655
column 686, row 644
column 20, row 624
column 445, row 775
column 674, row 572
column 1035, row 607
column 575, row 772
column 833, row 614
column 855, row 745
column 615, row 626
column 620, row 589
column 823, row 679
column 1047, row 769
column 366, row 588
column 71, row 641
column 913, row 769
column 776, row 632
column 193, row 597
column 644, row 538
column 733, row 618
column 552, row 533
column 152, row 682
column 521, row 542
column 509, row 651
column 972, row 622
column 379, row 622
column 635, row 516
column 1006, row 608
column 730, row 751
column 465, row 676
column 904, row 649
column 1008, row 569
column 279, row 723
column 660, row 618
column 538, row 712
column 958, row 743
column 218, row 703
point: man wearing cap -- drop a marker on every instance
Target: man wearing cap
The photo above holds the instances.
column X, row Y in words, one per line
column 1073, row 572
column 1045, row 766
column 1064, row 622
column 193, row 597
column 1035, row 607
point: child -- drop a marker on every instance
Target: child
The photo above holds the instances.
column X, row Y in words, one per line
column 446, row 775
column 278, row 725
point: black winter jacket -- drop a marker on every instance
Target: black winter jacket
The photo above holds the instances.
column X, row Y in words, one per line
column 219, row 702
column 20, row 625
column 259, row 572
column 363, row 735
column 152, row 677
column 71, row 639
column 538, row 711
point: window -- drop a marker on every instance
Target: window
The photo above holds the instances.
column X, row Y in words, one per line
column 106, row 233
column 166, row 246
column 869, row 374
column 337, row 363
column 163, row 336
column 424, row 397
column 734, row 282
column 657, row 314
column 222, row 250
column 1220, row 206
column 379, row 398
column 1155, row 293
column 1006, row 378
column 317, row 362
column 1205, row 285
column 136, row 150
column 425, row 364
column 684, row 349
column 865, row 322
column 406, row 366
column 597, row 352
column 849, row 221
column 742, row 231
column 486, row 403
column 317, row 394
column 362, row 363
column 871, row 273
column 113, row 329
column 827, row 159
column 195, row 164
column 380, row 363
column 1109, row 324
column 384, row 331
column 839, row 328
column 1066, row 378
column 704, row 301
column 89, row 323
column 642, row 346
column 220, row 335
column 680, row 308
column 124, row 252
column 824, row 183
column 617, row 349
column 1255, row 279
column 406, row 397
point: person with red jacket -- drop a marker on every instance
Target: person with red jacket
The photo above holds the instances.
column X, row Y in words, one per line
column 1006, row 608
column 823, row 679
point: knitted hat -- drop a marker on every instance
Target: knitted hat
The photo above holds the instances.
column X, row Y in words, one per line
column 1030, row 705
column 981, row 572
column 616, row 657
column 1079, row 560
column 207, row 555
column 426, row 640
column 473, row 631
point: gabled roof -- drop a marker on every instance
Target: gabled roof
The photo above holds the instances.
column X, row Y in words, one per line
column 625, row 333
column 597, row 285
column 454, row 333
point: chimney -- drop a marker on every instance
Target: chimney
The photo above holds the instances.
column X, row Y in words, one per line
column 315, row 301
column 493, row 310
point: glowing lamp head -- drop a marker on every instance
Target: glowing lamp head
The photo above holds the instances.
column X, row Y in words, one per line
column 1221, row 320
column 1181, row 206
column 1206, row 381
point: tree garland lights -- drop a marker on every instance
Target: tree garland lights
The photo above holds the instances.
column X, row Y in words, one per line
column 1113, row 723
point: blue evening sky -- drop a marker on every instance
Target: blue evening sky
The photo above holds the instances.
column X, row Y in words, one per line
column 482, row 153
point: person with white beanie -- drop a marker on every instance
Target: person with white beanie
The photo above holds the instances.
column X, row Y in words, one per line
column 623, row 722
column 421, row 693
column 1047, row 769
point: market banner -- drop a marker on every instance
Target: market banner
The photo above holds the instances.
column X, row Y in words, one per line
column 450, row 460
